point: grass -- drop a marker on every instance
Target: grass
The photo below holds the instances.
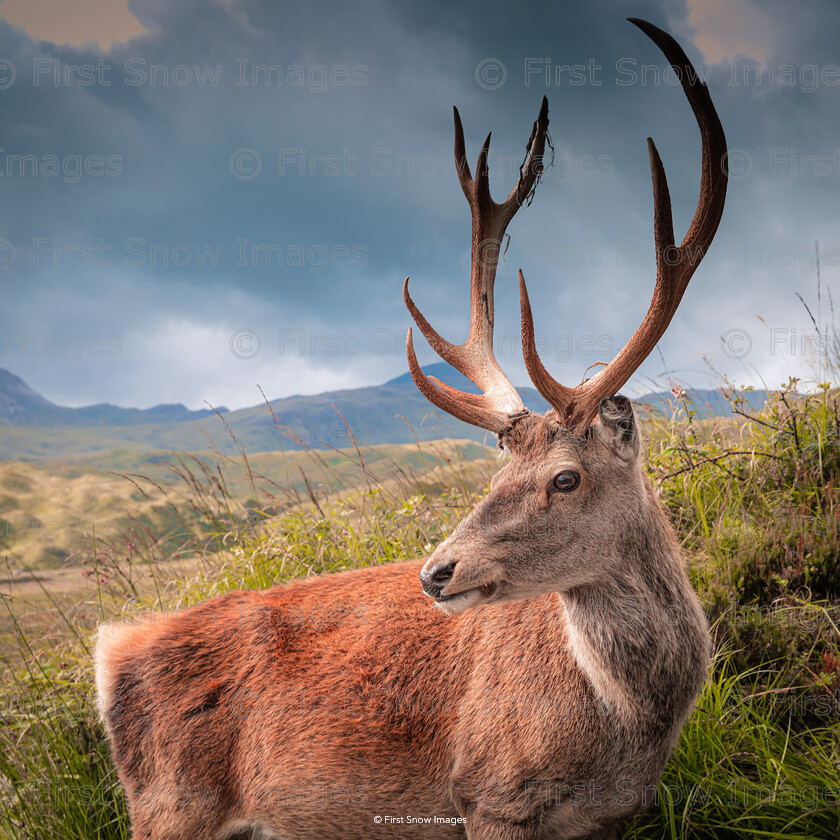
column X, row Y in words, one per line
column 50, row 510
column 746, row 766
column 754, row 501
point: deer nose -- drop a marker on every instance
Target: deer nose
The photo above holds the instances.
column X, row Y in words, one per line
column 437, row 577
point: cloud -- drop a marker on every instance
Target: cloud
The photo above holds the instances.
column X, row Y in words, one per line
column 281, row 169
column 730, row 28
column 74, row 22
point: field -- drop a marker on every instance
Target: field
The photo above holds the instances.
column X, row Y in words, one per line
column 51, row 510
column 754, row 500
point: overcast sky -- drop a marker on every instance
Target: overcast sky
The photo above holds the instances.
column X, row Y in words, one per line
column 156, row 156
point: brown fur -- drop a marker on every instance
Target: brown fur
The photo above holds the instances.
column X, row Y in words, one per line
column 548, row 710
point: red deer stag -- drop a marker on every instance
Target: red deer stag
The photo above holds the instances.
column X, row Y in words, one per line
column 348, row 706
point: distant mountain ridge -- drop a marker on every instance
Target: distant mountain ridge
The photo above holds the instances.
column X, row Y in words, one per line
column 32, row 427
column 20, row 405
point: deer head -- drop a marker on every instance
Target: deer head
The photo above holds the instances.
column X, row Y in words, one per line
column 573, row 505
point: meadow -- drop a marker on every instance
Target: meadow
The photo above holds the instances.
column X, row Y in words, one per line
column 755, row 501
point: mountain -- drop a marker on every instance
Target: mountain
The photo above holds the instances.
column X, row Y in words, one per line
column 21, row 406
column 32, row 427
column 394, row 412
column 704, row 402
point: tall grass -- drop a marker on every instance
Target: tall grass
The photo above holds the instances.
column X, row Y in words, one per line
column 755, row 505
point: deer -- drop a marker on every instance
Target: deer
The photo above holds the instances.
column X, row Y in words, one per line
column 529, row 679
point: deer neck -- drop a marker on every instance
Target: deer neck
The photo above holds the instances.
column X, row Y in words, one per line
column 640, row 637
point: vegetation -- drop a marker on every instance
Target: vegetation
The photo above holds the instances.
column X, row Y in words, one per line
column 50, row 511
column 754, row 500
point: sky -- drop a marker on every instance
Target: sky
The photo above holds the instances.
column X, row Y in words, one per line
column 205, row 198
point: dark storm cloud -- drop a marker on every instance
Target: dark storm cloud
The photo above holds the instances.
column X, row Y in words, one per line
column 318, row 138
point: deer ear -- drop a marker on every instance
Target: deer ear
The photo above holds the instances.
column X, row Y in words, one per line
column 616, row 426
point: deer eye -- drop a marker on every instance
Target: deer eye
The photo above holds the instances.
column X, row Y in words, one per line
column 566, row 481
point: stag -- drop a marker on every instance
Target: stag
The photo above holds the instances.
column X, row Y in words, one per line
column 527, row 680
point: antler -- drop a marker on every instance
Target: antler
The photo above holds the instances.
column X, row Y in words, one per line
column 578, row 406
column 475, row 357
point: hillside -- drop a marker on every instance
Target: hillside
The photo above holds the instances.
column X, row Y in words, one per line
column 33, row 428
column 20, row 405
column 51, row 512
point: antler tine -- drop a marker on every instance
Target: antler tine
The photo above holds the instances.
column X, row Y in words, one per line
column 532, row 167
column 471, row 408
column 675, row 265
column 475, row 358
column 559, row 396
column 462, row 165
column 481, row 184
column 714, row 164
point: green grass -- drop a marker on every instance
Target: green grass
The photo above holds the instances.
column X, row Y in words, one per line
column 754, row 502
column 50, row 510
column 747, row 766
